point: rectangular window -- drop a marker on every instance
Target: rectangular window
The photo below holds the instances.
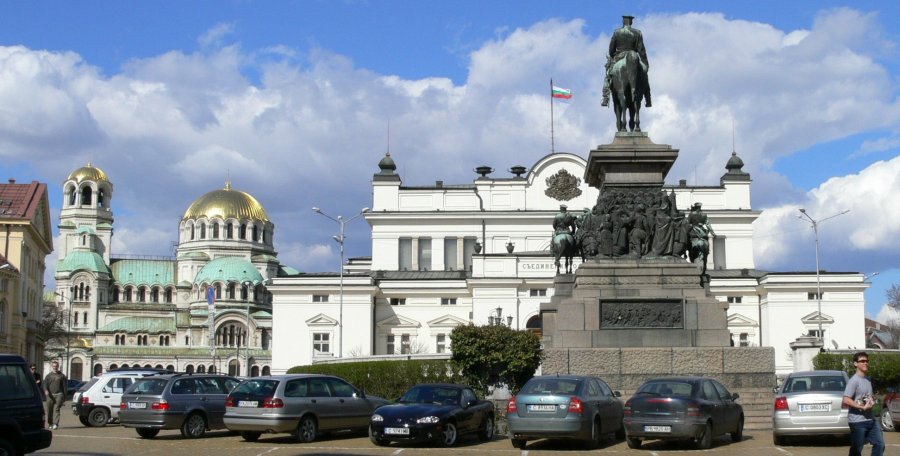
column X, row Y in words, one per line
column 449, row 254
column 813, row 296
column 537, row 292
column 424, row 254
column 320, row 298
column 468, row 251
column 745, row 342
column 448, row 301
column 390, row 344
column 735, row 299
column 441, row 343
column 814, row 333
column 398, row 301
column 405, row 260
column 404, row 344
column 321, row 344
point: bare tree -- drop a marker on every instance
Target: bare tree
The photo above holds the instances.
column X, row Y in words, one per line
column 52, row 328
column 893, row 324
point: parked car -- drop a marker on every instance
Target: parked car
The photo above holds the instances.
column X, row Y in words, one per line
column 438, row 412
column 193, row 403
column 674, row 408
column 890, row 410
column 22, row 416
column 574, row 407
column 97, row 402
column 810, row 403
column 298, row 404
column 72, row 387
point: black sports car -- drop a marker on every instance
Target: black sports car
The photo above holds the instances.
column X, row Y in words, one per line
column 437, row 412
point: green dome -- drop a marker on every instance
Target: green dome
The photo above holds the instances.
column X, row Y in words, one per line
column 229, row 269
column 79, row 260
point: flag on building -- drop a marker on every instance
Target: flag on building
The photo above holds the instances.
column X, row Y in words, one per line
column 559, row 92
column 211, row 297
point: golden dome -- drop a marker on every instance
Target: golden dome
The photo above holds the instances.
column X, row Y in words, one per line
column 88, row 172
column 227, row 203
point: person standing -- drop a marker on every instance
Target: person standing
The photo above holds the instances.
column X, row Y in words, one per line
column 55, row 384
column 858, row 396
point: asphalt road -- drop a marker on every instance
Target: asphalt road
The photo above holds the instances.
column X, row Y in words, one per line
column 74, row 439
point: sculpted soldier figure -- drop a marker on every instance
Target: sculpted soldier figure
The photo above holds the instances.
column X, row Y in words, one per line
column 624, row 39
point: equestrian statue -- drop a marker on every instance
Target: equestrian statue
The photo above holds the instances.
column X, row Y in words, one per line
column 563, row 242
column 626, row 76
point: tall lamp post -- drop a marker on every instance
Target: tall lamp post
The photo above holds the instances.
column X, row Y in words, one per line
column 68, row 331
column 247, row 284
column 815, row 227
column 340, row 240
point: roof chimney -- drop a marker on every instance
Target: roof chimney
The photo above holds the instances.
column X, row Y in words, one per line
column 12, row 180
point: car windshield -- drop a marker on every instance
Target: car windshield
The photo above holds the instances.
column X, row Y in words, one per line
column 804, row 383
column 88, row 385
column 153, row 386
column 427, row 394
column 551, row 386
column 666, row 388
column 256, row 388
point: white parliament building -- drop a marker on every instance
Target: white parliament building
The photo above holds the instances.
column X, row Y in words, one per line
column 451, row 254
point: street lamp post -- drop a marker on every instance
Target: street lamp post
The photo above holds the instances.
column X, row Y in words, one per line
column 340, row 240
column 815, row 227
column 68, row 331
column 247, row 343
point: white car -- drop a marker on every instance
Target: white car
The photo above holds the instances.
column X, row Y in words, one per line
column 97, row 402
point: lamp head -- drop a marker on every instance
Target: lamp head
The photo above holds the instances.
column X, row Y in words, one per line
column 315, row 209
column 802, row 210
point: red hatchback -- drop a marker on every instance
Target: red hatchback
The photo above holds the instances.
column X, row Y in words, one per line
column 890, row 410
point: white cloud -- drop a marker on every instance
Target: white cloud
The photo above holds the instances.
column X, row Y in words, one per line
column 167, row 128
column 215, row 35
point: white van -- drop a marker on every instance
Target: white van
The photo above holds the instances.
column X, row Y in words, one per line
column 97, row 402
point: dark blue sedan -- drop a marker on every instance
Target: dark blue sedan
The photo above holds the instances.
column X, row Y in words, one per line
column 677, row 408
column 437, row 412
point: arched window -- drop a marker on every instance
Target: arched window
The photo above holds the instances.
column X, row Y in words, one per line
column 87, row 293
column 189, row 368
column 215, row 230
column 218, row 291
column 154, row 295
column 201, row 369
column 115, row 296
column 168, row 295
column 142, row 294
column 170, row 368
column 254, row 371
column 98, row 369
column 265, row 339
column 202, row 231
column 255, row 233
column 212, row 369
column 147, row 366
column 72, row 195
column 127, row 294
column 101, row 194
column 192, row 232
column 84, row 318
column 113, row 366
column 229, row 231
column 229, row 292
column 83, row 239
column 86, row 196
column 266, row 371
column 243, row 231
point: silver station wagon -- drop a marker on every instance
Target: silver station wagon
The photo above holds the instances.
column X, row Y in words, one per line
column 810, row 403
column 300, row 404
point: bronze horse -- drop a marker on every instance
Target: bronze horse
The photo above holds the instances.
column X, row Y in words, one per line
column 563, row 246
column 627, row 87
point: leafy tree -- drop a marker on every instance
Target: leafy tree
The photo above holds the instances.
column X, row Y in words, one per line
column 495, row 355
column 52, row 328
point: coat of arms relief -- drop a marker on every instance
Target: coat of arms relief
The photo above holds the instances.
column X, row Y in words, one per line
column 563, row 186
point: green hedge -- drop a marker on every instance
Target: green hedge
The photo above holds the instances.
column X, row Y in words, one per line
column 388, row 379
column 884, row 368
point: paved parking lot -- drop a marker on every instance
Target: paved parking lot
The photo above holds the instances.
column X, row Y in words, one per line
column 74, row 439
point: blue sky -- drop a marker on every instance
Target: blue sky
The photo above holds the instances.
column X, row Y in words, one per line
column 292, row 99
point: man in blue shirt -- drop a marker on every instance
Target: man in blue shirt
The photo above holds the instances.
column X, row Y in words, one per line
column 859, row 398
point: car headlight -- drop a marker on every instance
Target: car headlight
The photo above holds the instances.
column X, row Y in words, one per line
column 428, row 420
column 377, row 417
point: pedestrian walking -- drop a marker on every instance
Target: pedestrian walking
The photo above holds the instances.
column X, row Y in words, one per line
column 55, row 384
column 859, row 397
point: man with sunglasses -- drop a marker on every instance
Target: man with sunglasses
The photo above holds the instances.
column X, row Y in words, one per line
column 858, row 396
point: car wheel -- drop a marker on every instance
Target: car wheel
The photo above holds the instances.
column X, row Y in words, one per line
column 620, row 434
column 705, row 440
column 376, row 440
column 250, row 436
column 633, row 442
column 779, row 440
column 738, row 433
column 147, row 433
column 448, row 438
column 596, row 436
column 518, row 443
column 486, row 433
column 98, row 417
column 194, row 426
column 887, row 421
column 84, row 420
column 6, row 448
column 306, row 430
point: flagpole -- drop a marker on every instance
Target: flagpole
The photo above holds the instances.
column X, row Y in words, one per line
column 552, row 145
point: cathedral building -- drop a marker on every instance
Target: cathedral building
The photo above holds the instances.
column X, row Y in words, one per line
column 207, row 309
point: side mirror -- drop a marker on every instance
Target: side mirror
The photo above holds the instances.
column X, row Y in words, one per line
column 471, row 402
column 617, row 394
column 735, row 396
column 775, row 390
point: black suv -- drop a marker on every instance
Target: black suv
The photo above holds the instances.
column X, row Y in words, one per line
column 192, row 403
column 22, row 414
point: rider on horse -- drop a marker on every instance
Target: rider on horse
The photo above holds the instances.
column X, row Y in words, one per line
column 625, row 39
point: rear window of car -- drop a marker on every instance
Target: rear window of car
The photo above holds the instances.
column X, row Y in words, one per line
column 551, row 386
column 801, row 384
column 15, row 383
column 154, row 386
column 258, row 388
column 666, row 388
column 89, row 384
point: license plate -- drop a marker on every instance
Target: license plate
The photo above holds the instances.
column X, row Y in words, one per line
column 396, row 431
column 541, row 408
column 815, row 407
column 657, row 428
column 137, row 405
column 248, row 403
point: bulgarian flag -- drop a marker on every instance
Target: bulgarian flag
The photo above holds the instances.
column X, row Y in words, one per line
column 559, row 92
